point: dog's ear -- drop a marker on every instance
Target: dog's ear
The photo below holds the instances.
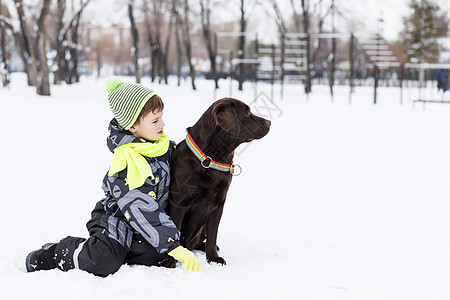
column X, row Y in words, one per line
column 225, row 116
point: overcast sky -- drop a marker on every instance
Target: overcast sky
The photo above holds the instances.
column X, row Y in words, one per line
column 369, row 11
column 364, row 14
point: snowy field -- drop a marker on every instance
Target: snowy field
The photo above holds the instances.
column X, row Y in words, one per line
column 338, row 201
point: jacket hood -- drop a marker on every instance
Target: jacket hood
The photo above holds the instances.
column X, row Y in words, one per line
column 119, row 136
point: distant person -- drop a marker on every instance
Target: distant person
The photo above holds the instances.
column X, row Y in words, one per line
column 129, row 225
column 442, row 80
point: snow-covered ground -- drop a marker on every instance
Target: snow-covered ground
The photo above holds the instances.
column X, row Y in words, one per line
column 338, row 201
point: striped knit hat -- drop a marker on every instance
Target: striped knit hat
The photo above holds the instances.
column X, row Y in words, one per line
column 126, row 100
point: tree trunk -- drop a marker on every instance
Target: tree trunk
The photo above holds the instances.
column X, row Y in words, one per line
column 99, row 63
column 206, row 27
column 333, row 51
column 157, row 45
column 179, row 54
column 60, row 73
column 352, row 62
column 332, row 66
column 155, row 56
column 165, row 53
column 306, row 16
column 282, row 57
column 2, row 45
column 320, row 22
column 187, row 43
column 7, row 24
column 158, row 52
column 43, row 86
column 282, row 30
column 4, row 60
column 134, row 33
column 150, row 42
column 2, row 42
column 241, row 49
column 27, row 53
column 43, row 80
column 74, row 76
column 178, row 30
column 68, row 69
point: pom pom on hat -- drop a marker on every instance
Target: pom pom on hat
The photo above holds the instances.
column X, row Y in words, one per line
column 112, row 84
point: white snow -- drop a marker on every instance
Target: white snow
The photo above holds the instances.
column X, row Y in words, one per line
column 339, row 201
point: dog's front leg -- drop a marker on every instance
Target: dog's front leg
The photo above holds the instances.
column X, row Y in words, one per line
column 212, row 227
column 176, row 213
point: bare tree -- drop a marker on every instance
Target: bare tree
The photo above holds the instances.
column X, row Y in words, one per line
column 67, row 36
column 25, row 38
column 205, row 11
column 306, row 27
column 281, row 24
column 7, row 24
column 187, row 42
column 332, row 55
column 178, row 32
column 2, row 27
column 75, row 35
column 320, row 16
column 60, row 59
column 241, row 47
column 40, row 50
column 242, row 37
column 165, row 50
column 313, row 18
column 32, row 39
column 157, row 27
column 150, row 39
column 153, row 36
column 4, row 58
column 99, row 60
column 134, row 33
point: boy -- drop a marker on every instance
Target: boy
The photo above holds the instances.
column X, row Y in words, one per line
column 129, row 225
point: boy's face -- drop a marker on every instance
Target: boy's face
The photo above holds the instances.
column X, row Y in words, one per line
column 150, row 127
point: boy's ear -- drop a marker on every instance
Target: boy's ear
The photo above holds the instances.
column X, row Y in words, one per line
column 132, row 129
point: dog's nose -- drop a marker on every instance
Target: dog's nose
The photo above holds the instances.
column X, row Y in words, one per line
column 268, row 122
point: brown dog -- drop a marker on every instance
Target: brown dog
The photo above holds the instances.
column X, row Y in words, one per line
column 201, row 171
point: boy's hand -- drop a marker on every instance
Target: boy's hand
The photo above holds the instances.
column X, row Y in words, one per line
column 187, row 258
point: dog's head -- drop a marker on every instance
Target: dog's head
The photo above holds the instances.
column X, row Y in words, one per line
column 234, row 117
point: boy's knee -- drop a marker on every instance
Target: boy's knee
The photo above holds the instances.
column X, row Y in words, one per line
column 100, row 256
column 102, row 265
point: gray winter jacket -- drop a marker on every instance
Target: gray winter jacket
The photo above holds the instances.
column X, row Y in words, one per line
column 139, row 211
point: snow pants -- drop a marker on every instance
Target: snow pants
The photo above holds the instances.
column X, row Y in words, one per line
column 107, row 249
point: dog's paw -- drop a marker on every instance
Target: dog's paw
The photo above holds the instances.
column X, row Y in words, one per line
column 217, row 260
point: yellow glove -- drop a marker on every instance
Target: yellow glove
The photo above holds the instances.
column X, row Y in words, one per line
column 187, row 258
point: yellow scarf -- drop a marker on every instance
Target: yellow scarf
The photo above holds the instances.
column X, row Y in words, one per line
column 131, row 156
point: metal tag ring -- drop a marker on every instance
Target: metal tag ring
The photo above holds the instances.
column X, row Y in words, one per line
column 233, row 171
column 206, row 167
